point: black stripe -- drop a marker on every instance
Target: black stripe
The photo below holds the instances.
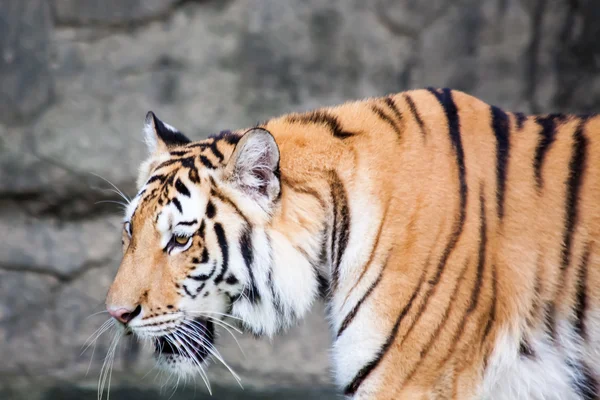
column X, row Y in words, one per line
column 473, row 301
column 199, row 288
column 215, row 192
column 193, row 296
column 500, row 125
column 231, row 280
column 247, row 249
column 177, row 204
column 206, row 162
column 154, row 178
column 377, row 110
column 520, row 118
column 200, row 144
column 341, row 225
column 204, row 258
column 187, row 223
column 550, row 318
column 205, row 277
column 224, row 251
column 178, row 153
column 413, row 109
column 482, row 254
column 582, row 301
column 444, row 319
column 201, row 229
column 371, row 365
column 187, row 162
column 576, row 171
column 392, row 105
column 181, row 188
column 322, row 118
column 215, row 150
column 445, row 99
column 193, row 176
column 323, row 285
column 354, row 310
column 548, row 133
column 447, row 103
column 211, row 211
column 277, row 303
column 587, row 386
column 525, row 349
column 227, row 136
column 301, row 188
column 492, row 317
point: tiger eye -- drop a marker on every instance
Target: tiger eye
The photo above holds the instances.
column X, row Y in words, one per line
column 181, row 239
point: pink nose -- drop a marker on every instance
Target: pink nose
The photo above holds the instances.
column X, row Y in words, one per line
column 124, row 315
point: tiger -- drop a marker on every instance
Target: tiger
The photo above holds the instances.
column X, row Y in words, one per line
column 456, row 246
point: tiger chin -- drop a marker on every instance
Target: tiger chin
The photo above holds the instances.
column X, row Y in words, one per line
column 456, row 245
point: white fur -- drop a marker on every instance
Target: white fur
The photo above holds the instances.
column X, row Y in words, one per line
column 363, row 234
column 357, row 346
column 544, row 376
column 150, row 137
column 294, row 285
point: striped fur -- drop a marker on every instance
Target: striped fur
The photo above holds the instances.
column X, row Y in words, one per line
column 457, row 246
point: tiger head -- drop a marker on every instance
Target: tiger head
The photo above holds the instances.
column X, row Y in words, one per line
column 197, row 248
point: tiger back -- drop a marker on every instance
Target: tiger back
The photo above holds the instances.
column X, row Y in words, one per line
column 456, row 245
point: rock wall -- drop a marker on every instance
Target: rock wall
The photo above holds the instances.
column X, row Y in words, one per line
column 77, row 77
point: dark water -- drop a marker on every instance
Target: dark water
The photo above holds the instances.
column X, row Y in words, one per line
column 219, row 393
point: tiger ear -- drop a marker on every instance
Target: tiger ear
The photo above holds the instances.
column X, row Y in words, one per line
column 160, row 136
column 254, row 166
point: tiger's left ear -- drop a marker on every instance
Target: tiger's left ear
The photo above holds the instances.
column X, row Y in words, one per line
column 160, row 136
column 254, row 166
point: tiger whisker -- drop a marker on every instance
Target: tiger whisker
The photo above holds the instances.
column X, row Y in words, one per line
column 96, row 334
column 117, row 190
column 190, row 354
column 107, row 366
column 189, row 330
column 214, row 312
column 92, row 341
column 96, row 313
column 223, row 325
column 218, row 321
column 194, row 337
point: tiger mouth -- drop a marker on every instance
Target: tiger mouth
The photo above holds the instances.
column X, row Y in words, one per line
column 194, row 346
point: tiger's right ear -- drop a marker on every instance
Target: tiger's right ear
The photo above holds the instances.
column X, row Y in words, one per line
column 160, row 136
column 254, row 167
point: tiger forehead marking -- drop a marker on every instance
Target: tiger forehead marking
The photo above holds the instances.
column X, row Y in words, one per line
column 455, row 244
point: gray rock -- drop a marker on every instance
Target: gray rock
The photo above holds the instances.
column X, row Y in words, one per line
column 56, row 248
column 26, row 84
column 109, row 12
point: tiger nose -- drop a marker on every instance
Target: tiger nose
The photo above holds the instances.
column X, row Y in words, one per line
column 124, row 315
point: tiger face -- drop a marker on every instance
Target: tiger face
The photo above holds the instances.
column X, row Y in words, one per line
column 192, row 237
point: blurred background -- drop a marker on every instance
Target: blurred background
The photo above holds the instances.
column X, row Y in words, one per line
column 78, row 76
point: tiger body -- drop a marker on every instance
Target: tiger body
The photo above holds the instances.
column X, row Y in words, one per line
column 457, row 246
